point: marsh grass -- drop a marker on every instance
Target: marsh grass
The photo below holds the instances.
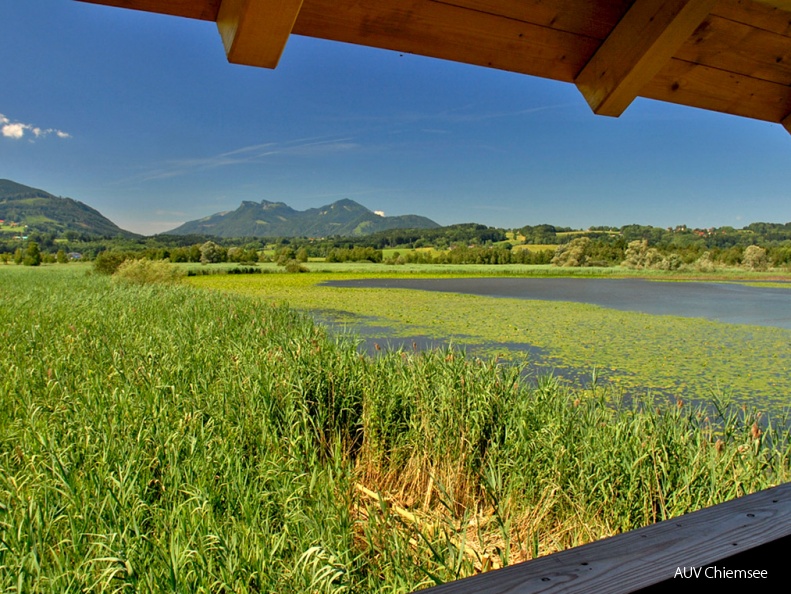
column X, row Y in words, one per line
column 163, row 438
column 382, row 270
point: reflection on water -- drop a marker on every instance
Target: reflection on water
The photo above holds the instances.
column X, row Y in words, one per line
column 721, row 302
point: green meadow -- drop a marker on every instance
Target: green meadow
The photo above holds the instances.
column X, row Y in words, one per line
column 205, row 437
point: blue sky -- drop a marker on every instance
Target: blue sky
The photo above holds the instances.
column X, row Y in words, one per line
column 140, row 116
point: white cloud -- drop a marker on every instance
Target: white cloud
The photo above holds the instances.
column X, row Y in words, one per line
column 17, row 130
column 13, row 130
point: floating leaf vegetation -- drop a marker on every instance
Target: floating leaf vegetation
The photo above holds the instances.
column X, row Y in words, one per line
column 670, row 355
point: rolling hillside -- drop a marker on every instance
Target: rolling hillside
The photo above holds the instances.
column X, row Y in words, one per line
column 47, row 213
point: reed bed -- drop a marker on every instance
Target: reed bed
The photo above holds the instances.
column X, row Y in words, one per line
column 164, row 438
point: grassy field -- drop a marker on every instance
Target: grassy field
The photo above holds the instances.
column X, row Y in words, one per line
column 161, row 438
column 683, row 357
column 535, row 247
column 13, row 229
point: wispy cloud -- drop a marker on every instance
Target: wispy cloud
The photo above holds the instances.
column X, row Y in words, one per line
column 305, row 147
column 465, row 114
column 18, row 130
column 435, row 123
column 461, row 114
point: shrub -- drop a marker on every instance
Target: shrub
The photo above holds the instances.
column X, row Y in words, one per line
column 32, row 255
column 639, row 256
column 755, row 258
column 294, row 266
column 212, row 253
column 705, row 263
column 107, row 262
column 148, row 271
column 574, row 253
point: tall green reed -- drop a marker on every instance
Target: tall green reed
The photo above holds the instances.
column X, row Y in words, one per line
column 161, row 438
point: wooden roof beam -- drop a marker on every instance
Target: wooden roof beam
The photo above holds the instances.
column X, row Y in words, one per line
column 636, row 50
column 255, row 32
column 781, row 4
column 205, row 10
column 787, row 123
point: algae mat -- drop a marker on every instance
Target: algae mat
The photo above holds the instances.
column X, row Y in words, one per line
column 686, row 357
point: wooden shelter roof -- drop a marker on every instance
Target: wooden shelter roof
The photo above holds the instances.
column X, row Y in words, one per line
column 730, row 56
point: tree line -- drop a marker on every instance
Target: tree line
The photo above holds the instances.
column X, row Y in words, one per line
column 756, row 246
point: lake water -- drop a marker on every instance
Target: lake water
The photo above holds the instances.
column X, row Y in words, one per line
column 745, row 308
column 722, row 302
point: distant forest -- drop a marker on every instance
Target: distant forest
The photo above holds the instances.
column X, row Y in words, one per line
column 758, row 245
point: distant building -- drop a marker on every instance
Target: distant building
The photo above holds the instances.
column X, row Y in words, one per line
column 381, row 213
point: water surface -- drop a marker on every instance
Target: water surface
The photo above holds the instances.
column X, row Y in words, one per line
column 721, row 302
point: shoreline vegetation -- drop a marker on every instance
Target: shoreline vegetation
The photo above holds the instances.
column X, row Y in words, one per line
column 157, row 436
column 756, row 247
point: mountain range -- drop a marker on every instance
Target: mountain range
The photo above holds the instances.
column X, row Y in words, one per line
column 44, row 212
column 277, row 219
column 47, row 213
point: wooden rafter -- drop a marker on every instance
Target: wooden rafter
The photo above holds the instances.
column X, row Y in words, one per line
column 697, row 85
column 450, row 30
column 781, row 4
column 255, row 32
column 205, row 10
column 636, row 50
column 732, row 56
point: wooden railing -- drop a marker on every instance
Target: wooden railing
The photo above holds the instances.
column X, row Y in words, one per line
column 750, row 530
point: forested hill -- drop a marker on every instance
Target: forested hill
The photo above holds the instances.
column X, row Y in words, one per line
column 277, row 219
column 22, row 206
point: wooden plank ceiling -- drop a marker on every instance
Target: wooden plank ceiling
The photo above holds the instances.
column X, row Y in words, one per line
column 730, row 56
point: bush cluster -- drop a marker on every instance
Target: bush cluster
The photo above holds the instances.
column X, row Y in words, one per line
column 147, row 271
